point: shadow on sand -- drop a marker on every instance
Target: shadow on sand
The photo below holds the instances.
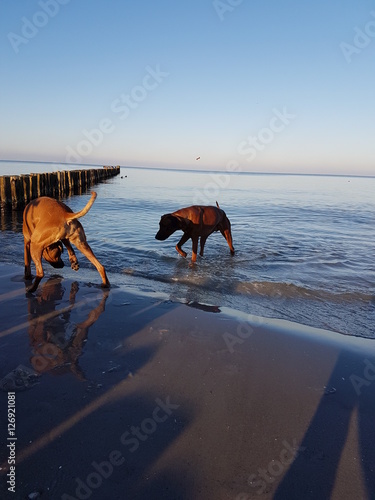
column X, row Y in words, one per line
column 90, row 428
column 348, row 402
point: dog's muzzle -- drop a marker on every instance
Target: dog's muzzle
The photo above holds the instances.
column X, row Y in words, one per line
column 161, row 237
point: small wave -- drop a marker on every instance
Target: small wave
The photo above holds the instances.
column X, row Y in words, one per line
column 290, row 290
column 273, row 289
column 264, row 289
column 198, row 281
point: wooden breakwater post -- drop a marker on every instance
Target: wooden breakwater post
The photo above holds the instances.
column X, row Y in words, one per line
column 17, row 190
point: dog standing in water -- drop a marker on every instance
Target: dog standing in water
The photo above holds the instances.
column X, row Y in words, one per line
column 196, row 222
column 47, row 223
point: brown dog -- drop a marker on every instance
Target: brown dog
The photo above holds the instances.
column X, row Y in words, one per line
column 47, row 223
column 196, row 222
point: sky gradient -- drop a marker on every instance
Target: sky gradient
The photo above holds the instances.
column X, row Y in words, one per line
column 263, row 86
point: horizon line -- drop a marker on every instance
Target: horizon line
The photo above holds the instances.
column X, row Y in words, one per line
column 186, row 169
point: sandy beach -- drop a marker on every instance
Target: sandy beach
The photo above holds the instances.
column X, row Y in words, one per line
column 126, row 396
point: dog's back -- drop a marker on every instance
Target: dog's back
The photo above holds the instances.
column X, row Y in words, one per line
column 205, row 215
column 51, row 213
column 45, row 210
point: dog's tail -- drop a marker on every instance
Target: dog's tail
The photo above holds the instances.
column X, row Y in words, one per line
column 217, row 205
column 84, row 210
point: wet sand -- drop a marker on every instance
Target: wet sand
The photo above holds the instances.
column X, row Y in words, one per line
column 127, row 396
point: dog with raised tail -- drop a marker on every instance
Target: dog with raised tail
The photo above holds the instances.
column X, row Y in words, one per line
column 197, row 221
column 47, row 224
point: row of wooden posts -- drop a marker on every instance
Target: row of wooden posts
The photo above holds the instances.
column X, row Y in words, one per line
column 17, row 190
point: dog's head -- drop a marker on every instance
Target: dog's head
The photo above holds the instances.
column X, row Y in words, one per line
column 52, row 254
column 170, row 223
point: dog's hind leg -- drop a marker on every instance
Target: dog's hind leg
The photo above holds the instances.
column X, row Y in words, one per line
column 72, row 256
column 228, row 236
column 203, row 242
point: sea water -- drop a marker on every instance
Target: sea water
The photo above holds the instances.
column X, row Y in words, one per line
column 305, row 245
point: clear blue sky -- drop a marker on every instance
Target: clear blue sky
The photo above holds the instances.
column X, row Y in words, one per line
column 267, row 86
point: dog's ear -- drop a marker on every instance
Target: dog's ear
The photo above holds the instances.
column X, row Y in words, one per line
column 170, row 221
column 164, row 218
column 175, row 222
column 184, row 223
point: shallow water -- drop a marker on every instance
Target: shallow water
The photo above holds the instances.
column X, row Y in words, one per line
column 304, row 244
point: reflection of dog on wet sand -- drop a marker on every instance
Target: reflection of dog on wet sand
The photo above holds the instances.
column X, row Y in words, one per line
column 56, row 341
column 196, row 222
column 47, row 224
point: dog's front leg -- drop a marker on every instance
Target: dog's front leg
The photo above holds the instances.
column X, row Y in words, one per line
column 72, row 256
column 195, row 248
column 183, row 240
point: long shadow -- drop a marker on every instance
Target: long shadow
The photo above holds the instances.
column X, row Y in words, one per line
column 90, row 413
column 131, row 430
column 313, row 472
column 59, row 324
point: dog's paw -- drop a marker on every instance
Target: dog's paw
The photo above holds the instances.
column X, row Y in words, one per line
column 74, row 266
column 181, row 252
